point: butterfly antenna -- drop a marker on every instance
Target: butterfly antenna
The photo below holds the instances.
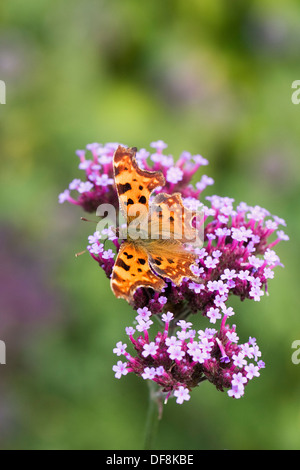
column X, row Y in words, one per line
column 116, row 230
column 88, row 220
column 80, row 253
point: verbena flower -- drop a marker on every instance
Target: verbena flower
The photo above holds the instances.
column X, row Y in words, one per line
column 179, row 361
column 237, row 258
column 97, row 185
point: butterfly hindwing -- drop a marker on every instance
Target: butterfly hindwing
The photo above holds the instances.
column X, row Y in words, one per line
column 169, row 259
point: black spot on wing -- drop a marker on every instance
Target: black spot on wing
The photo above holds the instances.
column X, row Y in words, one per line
column 123, row 188
column 117, row 278
column 130, row 201
column 123, row 265
column 142, row 200
column 117, row 170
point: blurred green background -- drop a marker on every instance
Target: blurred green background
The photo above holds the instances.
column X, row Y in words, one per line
column 209, row 77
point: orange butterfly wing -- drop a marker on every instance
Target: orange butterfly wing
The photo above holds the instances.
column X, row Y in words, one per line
column 170, row 259
column 170, row 220
column 132, row 270
column 144, row 262
column 134, row 185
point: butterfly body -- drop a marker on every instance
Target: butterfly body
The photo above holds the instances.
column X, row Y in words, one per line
column 153, row 248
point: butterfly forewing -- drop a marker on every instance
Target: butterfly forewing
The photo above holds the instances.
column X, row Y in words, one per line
column 132, row 270
column 134, row 185
column 170, row 219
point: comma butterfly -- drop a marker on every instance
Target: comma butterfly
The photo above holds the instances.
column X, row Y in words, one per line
column 154, row 247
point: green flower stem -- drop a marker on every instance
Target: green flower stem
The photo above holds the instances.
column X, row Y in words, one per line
column 154, row 415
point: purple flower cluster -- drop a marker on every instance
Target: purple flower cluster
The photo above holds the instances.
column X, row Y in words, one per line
column 97, row 187
column 237, row 258
column 181, row 361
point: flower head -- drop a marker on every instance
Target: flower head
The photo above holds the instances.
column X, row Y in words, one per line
column 237, row 259
column 178, row 363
